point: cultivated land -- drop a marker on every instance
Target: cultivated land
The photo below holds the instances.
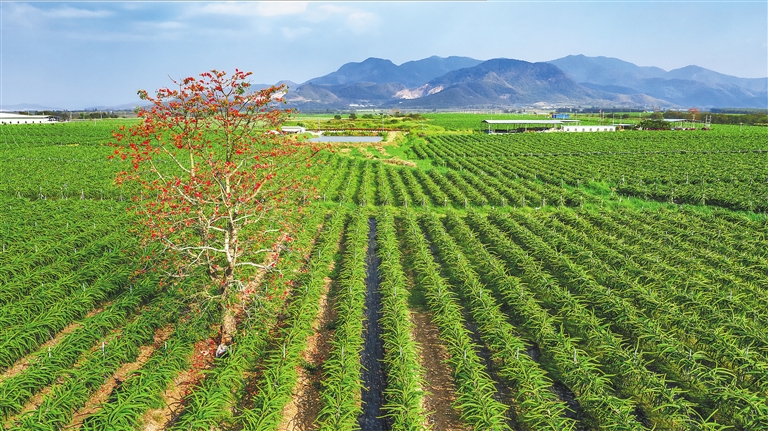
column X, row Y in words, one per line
column 444, row 278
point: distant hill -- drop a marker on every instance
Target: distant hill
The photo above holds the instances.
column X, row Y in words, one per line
column 123, row 107
column 26, row 107
column 503, row 81
column 498, row 82
column 467, row 83
column 410, row 74
column 686, row 86
column 706, row 76
column 605, row 70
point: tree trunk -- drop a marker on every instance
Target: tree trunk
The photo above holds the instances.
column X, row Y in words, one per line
column 228, row 325
column 228, row 297
column 228, row 320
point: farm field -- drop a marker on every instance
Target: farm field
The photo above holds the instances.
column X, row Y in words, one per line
column 446, row 281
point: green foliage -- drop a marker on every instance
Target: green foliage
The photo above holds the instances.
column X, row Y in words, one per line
column 342, row 385
column 650, row 312
column 654, row 124
column 405, row 382
column 213, row 402
column 475, row 388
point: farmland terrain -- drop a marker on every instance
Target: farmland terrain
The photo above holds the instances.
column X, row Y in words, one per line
column 444, row 279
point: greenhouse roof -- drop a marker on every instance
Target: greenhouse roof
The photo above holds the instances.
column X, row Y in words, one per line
column 529, row 121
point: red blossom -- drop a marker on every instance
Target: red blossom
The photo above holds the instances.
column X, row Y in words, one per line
column 193, row 166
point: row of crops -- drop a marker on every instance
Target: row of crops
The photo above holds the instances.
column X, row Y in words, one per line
column 376, row 183
column 85, row 133
column 702, row 169
column 549, row 311
column 725, row 168
column 358, row 181
column 719, row 139
column 75, row 306
column 563, row 319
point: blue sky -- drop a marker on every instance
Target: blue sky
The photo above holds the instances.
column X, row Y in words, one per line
column 73, row 55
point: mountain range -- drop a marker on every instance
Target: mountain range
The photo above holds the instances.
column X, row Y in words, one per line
column 454, row 83
column 572, row 81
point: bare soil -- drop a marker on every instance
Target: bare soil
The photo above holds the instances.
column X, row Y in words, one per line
column 102, row 394
column 202, row 356
column 302, row 411
column 439, row 386
column 178, row 389
column 300, row 414
column 32, row 404
column 399, row 162
column 367, row 148
column 24, row 363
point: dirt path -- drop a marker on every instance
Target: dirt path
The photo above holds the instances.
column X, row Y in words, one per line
column 102, row 394
column 32, row 404
column 203, row 354
column 204, row 351
column 300, row 414
column 24, row 363
column 440, row 392
column 178, row 389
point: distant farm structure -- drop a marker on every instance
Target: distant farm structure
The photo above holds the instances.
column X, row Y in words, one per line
column 12, row 118
column 292, row 130
column 590, row 128
column 519, row 126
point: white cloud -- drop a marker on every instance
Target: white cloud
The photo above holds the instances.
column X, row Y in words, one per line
column 326, row 11
column 281, row 8
column 19, row 14
column 358, row 21
column 254, row 8
column 226, row 8
column 167, row 25
column 23, row 14
column 70, row 12
column 361, row 21
column 292, row 33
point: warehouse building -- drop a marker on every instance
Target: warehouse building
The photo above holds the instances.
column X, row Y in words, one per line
column 12, row 118
column 292, row 130
column 517, row 126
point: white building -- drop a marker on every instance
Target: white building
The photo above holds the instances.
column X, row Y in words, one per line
column 293, row 129
column 589, row 128
column 12, row 118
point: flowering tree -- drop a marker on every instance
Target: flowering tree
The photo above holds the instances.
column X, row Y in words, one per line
column 214, row 179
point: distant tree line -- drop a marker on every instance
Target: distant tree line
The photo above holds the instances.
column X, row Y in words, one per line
column 654, row 124
column 54, row 113
column 597, row 110
column 739, row 111
column 717, row 117
column 94, row 115
column 68, row 114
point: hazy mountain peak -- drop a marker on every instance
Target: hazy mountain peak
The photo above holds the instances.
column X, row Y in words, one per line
column 381, row 71
column 462, row 82
column 685, row 86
